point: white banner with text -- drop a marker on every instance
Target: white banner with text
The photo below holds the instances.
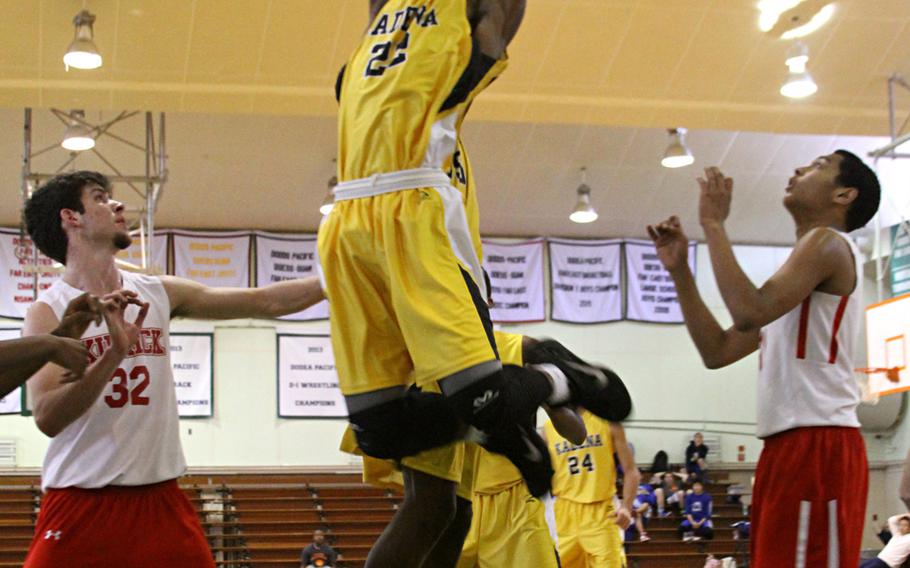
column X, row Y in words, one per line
column 650, row 292
column 516, row 274
column 191, row 360
column 307, row 381
column 585, row 281
column 288, row 257
column 213, row 259
column 19, row 267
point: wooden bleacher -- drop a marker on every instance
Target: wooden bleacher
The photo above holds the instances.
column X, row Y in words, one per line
column 265, row 520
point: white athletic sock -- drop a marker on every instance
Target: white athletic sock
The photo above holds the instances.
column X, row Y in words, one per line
column 561, row 393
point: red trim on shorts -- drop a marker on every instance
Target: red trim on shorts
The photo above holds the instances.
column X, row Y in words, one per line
column 803, row 329
column 838, row 317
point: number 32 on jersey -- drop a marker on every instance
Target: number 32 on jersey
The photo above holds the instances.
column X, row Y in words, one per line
column 128, row 389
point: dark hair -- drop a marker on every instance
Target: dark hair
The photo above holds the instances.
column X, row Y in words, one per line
column 42, row 211
column 854, row 173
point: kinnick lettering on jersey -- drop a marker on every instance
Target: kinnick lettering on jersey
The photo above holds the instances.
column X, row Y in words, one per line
column 566, row 446
column 149, row 343
column 403, row 20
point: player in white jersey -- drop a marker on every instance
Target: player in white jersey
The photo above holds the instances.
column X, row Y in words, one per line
column 811, row 484
column 109, row 476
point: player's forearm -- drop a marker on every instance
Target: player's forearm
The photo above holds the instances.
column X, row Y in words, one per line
column 291, row 296
column 707, row 335
column 740, row 295
column 56, row 409
column 568, row 424
column 20, row 359
column 630, row 482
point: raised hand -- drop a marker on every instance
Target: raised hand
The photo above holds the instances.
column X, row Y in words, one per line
column 716, row 194
column 79, row 314
column 671, row 242
column 123, row 333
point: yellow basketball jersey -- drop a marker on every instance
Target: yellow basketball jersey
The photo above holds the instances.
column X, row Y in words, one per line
column 585, row 473
column 462, row 176
column 406, row 88
column 492, row 472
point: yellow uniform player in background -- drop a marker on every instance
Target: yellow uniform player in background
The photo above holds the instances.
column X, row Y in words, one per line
column 588, row 527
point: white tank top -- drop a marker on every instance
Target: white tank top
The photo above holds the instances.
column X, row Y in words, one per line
column 806, row 375
column 130, row 436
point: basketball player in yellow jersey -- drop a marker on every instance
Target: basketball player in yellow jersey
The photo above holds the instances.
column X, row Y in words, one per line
column 509, row 526
column 587, row 526
column 400, row 270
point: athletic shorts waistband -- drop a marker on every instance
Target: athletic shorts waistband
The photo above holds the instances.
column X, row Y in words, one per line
column 113, row 490
column 379, row 184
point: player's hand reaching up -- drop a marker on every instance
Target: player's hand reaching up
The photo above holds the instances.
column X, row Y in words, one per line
column 123, row 333
column 671, row 242
column 716, row 194
column 79, row 313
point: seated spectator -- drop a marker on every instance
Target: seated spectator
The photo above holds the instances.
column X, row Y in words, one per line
column 897, row 550
column 319, row 553
column 641, row 511
column 697, row 524
column 696, row 454
column 669, row 494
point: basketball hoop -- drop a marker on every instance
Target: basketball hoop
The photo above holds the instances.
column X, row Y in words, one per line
column 863, row 375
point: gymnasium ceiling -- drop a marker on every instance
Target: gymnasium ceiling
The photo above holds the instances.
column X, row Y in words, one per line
column 251, row 134
column 646, row 63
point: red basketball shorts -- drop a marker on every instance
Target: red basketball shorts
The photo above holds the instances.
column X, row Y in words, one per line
column 809, row 499
column 148, row 526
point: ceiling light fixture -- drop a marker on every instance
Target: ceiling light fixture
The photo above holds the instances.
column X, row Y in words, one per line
column 790, row 19
column 78, row 136
column 584, row 212
column 82, row 52
column 799, row 84
column 677, row 154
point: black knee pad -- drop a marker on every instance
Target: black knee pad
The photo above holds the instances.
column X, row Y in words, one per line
column 405, row 426
column 482, row 404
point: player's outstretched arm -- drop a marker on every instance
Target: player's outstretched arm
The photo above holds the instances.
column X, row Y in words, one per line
column 717, row 346
column 191, row 299
column 816, row 257
column 495, row 24
column 21, row 358
column 56, row 402
column 631, row 475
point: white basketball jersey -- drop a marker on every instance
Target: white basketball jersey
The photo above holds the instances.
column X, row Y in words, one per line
column 806, row 375
column 130, row 435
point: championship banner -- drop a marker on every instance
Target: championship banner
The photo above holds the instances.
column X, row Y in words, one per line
column 650, row 292
column 157, row 262
column 17, row 273
column 307, row 381
column 585, row 281
column 213, row 259
column 516, row 273
column 191, row 361
column 11, row 403
column 288, row 257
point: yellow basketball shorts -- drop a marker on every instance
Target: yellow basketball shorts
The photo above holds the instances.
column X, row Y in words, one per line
column 403, row 280
column 445, row 462
column 588, row 535
column 508, row 528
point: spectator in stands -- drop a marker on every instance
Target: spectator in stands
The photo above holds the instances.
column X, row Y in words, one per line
column 641, row 511
column 669, row 494
column 21, row 358
column 696, row 454
column 697, row 524
column 319, row 553
column 897, row 550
